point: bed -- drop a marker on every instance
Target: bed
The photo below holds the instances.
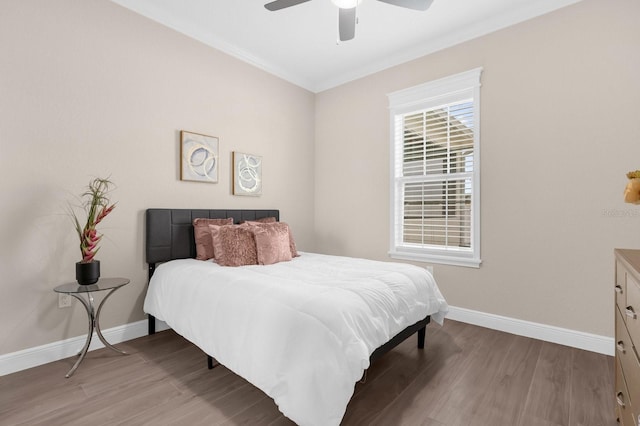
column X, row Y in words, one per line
column 302, row 331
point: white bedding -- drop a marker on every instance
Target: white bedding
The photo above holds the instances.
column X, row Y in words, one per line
column 302, row 331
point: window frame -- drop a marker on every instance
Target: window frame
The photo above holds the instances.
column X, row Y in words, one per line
column 430, row 95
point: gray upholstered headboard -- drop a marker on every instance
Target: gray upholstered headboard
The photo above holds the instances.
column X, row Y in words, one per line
column 169, row 232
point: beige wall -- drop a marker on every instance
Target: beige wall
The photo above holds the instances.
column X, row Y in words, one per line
column 89, row 88
column 559, row 130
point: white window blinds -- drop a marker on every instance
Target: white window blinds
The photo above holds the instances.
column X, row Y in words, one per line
column 435, row 196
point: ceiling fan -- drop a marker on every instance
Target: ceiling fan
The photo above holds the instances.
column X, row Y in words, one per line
column 347, row 11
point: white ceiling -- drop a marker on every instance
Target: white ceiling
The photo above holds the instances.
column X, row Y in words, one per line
column 299, row 44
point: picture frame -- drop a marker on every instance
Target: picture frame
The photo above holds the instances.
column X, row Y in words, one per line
column 199, row 157
column 247, row 174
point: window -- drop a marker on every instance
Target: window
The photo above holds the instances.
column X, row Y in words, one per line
column 435, row 171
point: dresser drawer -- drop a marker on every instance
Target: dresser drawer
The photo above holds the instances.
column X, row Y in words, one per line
column 621, row 285
column 624, row 409
column 631, row 312
column 626, row 354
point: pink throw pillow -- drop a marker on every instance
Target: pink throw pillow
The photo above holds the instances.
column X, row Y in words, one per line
column 292, row 243
column 272, row 243
column 269, row 219
column 202, row 236
column 234, row 245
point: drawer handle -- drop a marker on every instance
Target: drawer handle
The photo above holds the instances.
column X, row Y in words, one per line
column 620, row 346
column 618, row 289
column 620, row 399
column 630, row 312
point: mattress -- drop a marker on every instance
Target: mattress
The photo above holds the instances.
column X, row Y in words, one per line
column 301, row 331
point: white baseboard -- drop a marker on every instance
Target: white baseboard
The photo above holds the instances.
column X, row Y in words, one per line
column 547, row 333
column 32, row 357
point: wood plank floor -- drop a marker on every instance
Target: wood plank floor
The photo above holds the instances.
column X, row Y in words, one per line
column 466, row 375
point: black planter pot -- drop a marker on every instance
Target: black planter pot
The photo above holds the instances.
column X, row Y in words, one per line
column 87, row 273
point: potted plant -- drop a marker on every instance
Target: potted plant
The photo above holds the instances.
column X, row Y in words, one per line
column 96, row 205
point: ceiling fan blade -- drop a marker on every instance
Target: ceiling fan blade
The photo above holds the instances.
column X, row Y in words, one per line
column 347, row 23
column 410, row 4
column 281, row 4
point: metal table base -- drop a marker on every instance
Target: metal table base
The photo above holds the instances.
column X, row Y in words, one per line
column 93, row 316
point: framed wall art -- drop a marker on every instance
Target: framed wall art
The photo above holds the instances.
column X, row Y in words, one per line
column 247, row 174
column 198, row 157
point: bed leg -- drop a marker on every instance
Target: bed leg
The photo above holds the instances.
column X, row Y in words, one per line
column 152, row 324
column 210, row 362
column 151, row 319
column 421, row 334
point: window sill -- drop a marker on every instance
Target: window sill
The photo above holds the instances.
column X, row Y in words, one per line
column 438, row 259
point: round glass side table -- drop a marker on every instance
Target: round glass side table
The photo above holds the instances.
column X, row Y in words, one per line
column 76, row 290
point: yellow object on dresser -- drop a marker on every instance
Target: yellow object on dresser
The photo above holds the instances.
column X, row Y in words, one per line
column 627, row 288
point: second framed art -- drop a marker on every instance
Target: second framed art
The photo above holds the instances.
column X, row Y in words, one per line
column 199, row 157
column 247, row 174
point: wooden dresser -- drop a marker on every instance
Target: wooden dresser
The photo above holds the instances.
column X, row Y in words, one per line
column 627, row 289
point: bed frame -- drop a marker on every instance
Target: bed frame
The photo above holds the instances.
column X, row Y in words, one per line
column 169, row 236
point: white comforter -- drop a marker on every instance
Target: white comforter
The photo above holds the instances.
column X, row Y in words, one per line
column 302, row 331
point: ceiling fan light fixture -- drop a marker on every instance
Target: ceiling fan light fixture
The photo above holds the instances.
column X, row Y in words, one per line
column 346, row 4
